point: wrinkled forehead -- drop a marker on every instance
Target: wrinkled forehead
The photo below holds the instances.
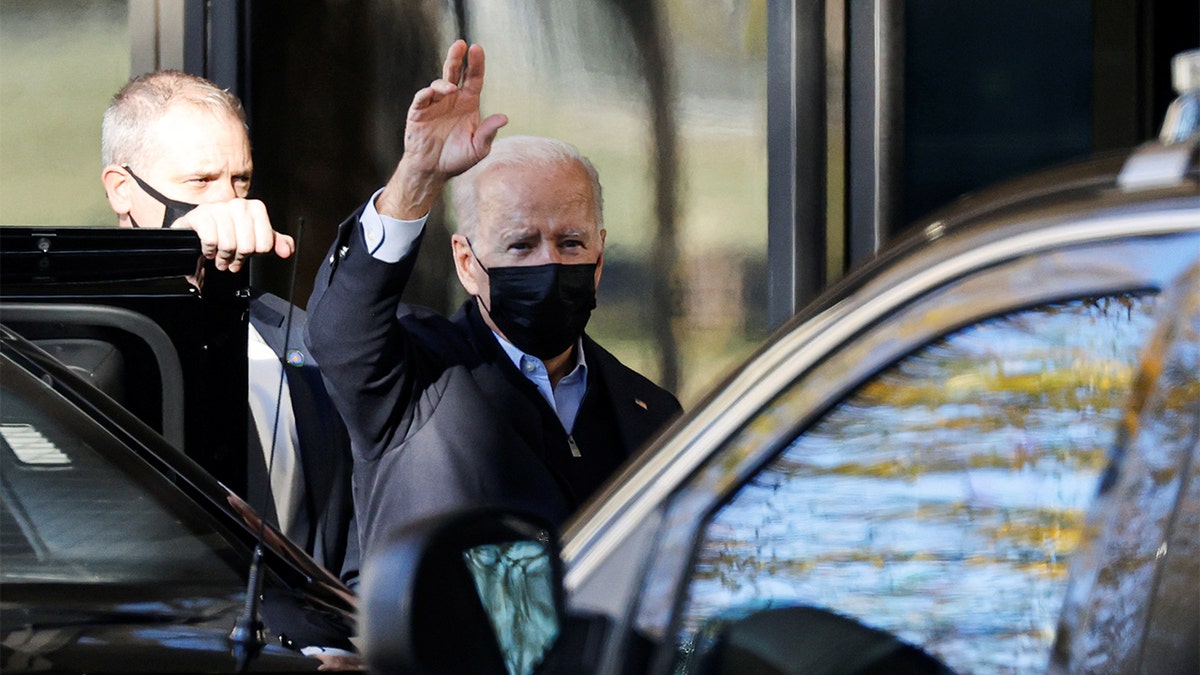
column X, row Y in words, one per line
column 558, row 194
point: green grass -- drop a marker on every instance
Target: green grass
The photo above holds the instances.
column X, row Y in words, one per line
column 54, row 86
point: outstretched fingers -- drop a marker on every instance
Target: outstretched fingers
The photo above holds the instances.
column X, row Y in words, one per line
column 452, row 67
column 443, row 135
column 432, row 101
column 473, row 82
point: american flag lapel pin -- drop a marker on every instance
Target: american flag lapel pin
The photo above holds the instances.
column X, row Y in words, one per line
column 641, row 404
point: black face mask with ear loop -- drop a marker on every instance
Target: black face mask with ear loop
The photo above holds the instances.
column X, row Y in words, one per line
column 175, row 208
column 542, row 309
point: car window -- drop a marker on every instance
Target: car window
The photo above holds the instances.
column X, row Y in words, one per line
column 78, row 507
column 1132, row 603
column 942, row 499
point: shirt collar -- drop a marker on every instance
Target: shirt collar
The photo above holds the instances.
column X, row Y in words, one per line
column 519, row 358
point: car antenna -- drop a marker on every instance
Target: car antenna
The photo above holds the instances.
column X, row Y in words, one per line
column 247, row 636
column 247, row 629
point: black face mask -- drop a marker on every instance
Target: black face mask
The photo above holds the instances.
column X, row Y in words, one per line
column 175, row 209
column 542, row 309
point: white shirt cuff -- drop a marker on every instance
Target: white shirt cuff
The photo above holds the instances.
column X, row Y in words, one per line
column 388, row 239
column 332, row 651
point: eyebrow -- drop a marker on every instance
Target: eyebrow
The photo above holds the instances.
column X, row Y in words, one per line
column 211, row 174
column 518, row 233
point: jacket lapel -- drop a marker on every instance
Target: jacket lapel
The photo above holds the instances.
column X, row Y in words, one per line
column 498, row 378
column 631, row 406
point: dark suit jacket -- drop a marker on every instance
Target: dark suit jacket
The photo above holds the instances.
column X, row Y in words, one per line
column 436, row 419
column 325, row 524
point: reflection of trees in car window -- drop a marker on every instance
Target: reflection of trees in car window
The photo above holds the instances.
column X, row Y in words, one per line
column 941, row 500
column 1131, row 603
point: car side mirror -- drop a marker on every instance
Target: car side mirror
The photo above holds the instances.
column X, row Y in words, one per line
column 809, row 640
column 476, row 591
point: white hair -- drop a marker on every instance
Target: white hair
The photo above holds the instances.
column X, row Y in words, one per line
column 124, row 134
column 533, row 151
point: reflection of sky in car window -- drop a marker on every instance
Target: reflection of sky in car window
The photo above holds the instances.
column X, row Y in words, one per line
column 942, row 499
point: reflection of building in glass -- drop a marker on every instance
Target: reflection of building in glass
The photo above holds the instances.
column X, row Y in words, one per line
column 60, row 62
column 715, row 286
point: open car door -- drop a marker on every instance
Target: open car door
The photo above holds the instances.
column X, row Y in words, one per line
column 137, row 313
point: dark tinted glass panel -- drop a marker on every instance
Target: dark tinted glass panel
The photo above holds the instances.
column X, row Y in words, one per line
column 79, row 508
column 992, row 90
column 942, row 500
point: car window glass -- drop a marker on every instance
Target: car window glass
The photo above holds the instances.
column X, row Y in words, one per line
column 77, row 507
column 942, row 499
column 1132, row 603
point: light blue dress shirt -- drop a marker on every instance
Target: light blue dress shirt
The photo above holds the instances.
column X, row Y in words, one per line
column 566, row 398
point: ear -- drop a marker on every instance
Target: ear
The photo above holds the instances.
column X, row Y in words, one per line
column 464, row 263
column 118, row 186
column 600, row 260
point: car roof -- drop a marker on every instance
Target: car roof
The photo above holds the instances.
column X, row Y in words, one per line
column 1091, row 185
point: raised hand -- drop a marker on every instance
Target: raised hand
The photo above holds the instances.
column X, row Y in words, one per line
column 444, row 135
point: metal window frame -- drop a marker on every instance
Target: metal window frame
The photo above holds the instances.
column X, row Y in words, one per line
column 875, row 124
column 801, row 252
column 208, row 38
column 796, row 167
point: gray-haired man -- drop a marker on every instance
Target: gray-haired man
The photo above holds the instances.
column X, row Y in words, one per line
column 508, row 403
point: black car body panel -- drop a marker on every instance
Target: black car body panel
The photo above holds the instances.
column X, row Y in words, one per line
column 75, row 628
column 172, row 332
